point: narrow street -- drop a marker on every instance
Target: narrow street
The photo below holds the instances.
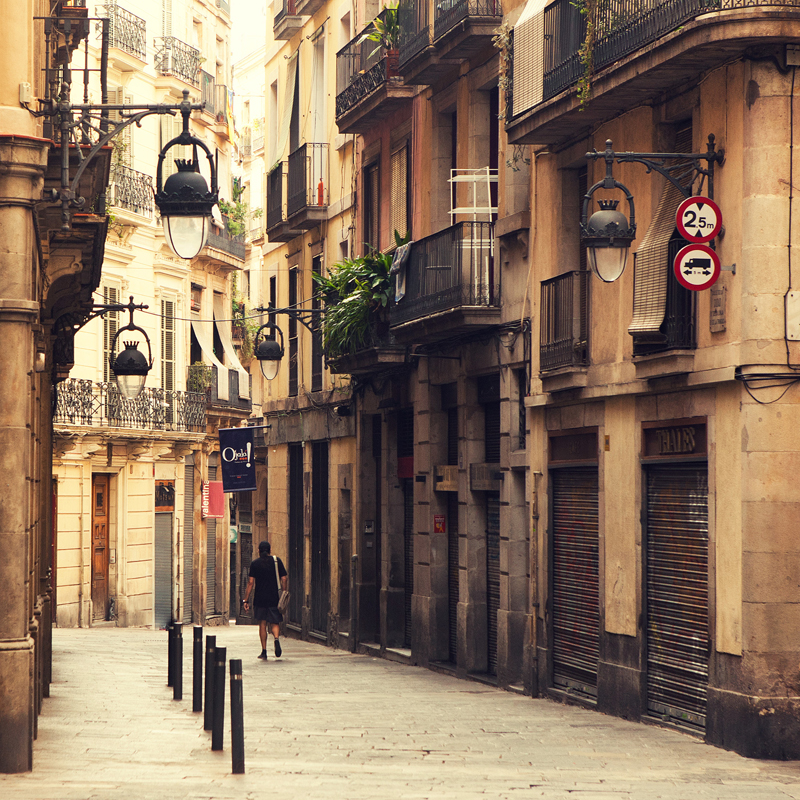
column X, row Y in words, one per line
column 323, row 723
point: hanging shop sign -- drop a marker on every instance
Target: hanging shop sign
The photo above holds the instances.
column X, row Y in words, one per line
column 445, row 478
column 236, row 459
column 697, row 267
column 485, row 478
column 213, row 505
column 698, row 219
column 679, row 439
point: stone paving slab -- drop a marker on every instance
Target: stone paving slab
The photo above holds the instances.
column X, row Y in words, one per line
column 323, row 724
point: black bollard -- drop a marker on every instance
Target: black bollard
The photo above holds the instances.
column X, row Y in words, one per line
column 197, row 669
column 177, row 662
column 237, row 718
column 219, row 699
column 170, row 654
column 208, row 715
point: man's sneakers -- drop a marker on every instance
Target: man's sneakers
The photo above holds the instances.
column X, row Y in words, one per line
column 277, row 649
column 263, row 655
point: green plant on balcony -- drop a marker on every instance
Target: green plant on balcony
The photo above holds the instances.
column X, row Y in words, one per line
column 200, row 377
column 385, row 31
column 358, row 292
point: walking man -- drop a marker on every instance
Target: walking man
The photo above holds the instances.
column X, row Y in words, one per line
column 264, row 573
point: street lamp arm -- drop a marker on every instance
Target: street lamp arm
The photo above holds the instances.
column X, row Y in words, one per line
column 309, row 318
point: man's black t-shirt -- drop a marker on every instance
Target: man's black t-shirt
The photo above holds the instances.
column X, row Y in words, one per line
column 266, row 593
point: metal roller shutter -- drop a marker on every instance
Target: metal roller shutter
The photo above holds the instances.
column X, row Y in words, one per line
column 576, row 597
column 296, row 563
column 188, row 542
column 320, row 544
column 211, row 556
column 408, row 555
column 677, row 593
column 492, row 576
column 163, row 570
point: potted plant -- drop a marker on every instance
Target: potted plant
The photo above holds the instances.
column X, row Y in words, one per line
column 385, row 31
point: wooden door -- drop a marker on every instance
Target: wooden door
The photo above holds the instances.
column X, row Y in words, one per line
column 99, row 546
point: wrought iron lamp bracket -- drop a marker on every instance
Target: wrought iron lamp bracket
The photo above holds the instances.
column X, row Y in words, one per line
column 658, row 162
column 309, row 318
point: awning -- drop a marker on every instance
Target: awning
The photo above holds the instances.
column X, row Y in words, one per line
column 204, row 333
column 223, row 323
column 286, row 112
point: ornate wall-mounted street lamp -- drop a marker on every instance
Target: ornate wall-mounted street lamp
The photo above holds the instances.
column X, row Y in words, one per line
column 130, row 367
column 608, row 233
column 267, row 348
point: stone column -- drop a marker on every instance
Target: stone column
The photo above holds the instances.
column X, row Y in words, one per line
column 23, row 159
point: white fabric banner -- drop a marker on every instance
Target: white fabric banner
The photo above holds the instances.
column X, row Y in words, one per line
column 223, row 323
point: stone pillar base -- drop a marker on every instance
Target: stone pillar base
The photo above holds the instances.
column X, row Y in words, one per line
column 16, row 698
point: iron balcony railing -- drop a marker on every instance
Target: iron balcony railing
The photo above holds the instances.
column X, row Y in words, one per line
column 564, row 321
column 415, row 32
column 225, row 5
column 84, row 402
column 287, row 9
column 258, row 140
column 359, row 71
column 174, row 57
column 221, row 104
column 307, row 184
column 126, row 31
column 206, row 378
column 451, row 269
column 276, row 192
column 131, row 190
column 450, row 13
column 257, row 223
column 246, row 142
column 208, row 91
column 233, row 245
column 621, row 28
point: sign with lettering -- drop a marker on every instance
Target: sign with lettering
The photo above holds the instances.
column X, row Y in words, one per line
column 445, row 478
column 485, row 477
column 719, row 297
column 675, row 440
column 165, row 495
column 438, row 523
column 213, row 504
column 236, row 459
column 697, row 267
column 698, row 219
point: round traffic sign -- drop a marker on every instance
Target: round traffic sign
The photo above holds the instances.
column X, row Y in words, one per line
column 697, row 267
column 698, row 219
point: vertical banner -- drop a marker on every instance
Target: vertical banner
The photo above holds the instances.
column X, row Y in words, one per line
column 236, row 459
column 213, row 500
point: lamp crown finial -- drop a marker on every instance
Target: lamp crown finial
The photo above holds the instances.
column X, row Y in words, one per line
column 608, row 205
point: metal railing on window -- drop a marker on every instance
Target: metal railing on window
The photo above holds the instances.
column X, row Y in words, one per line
column 452, row 268
column 450, row 13
column 126, row 31
column 276, row 187
column 174, row 57
column 307, row 183
column 415, row 32
column 564, row 321
column 89, row 403
column 131, row 190
column 359, row 71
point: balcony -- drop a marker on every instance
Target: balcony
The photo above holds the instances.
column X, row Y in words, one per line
column 451, row 286
column 126, row 31
column 90, row 404
column 307, row 186
column 221, row 116
column 176, row 58
column 258, row 139
column 308, row 8
column 256, row 225
column 287, row 21
column 224, row 5
column 205, row 379
column 641, row 50
column 420, row 63
column 246, row 143
column 223, row 241
column 564, row 330
column 131, row 191
column 366, row 89
column 462, row 28
column 278, row 229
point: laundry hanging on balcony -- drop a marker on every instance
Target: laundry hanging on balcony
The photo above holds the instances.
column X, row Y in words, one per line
column 204, row 333
column 223, row 322
column 399, row 263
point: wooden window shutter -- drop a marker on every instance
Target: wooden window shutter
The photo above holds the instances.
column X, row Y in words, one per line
column 110, row 328
column 168, row 345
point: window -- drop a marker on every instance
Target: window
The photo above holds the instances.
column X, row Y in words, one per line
column 168, row 345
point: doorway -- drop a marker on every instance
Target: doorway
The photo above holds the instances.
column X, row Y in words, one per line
column 99, row 547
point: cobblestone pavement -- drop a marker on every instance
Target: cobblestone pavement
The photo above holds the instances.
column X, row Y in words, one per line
column 322, row 724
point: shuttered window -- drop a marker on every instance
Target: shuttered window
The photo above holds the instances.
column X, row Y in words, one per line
column 188, row 542
column 110, row 328
column 528, row 70
column 168, row 345
column 492, row 577
column 400, row 192
column 372, row 206
column 211, row 555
